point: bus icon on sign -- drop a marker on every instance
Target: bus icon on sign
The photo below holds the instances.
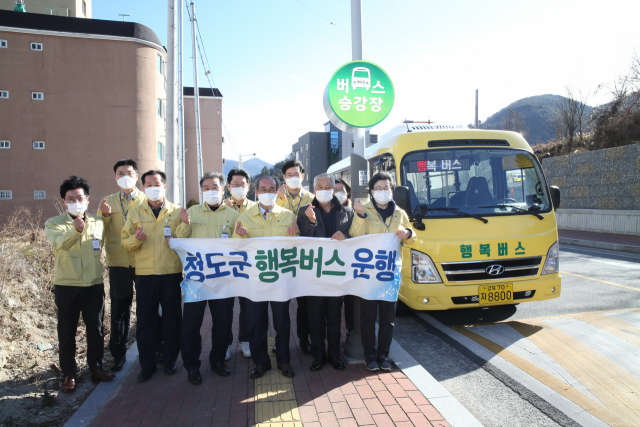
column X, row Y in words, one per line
column 360, row 77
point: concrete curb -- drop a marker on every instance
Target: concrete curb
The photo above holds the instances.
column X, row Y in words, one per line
column 452, row 410
column 599, row 245
column 102, row 393
column 568, row 408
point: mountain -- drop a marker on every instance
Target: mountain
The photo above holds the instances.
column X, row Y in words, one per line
column 536, row 112
column 253, row 166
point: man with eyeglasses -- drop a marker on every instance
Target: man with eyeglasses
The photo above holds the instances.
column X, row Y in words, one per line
column 146, row 234
column 121, row 263
column 77, row 239
column 292, row 196
column 238, row 184
column 267, row 219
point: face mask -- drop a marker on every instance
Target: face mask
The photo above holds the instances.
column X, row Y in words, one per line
column 267, row 199
column 293, row 182
column 76, row 208
column 324, row 196
column 212, row 197
column 154, row 193
column 382, row 197
column 239, row 193
column 342, row 197
column 126, row 182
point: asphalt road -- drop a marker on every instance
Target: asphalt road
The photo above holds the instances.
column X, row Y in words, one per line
column 491, row 396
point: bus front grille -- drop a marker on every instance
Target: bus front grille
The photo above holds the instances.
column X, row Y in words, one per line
column 491, row 269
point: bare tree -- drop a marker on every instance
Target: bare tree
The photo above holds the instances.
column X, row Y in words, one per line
column 514, row 121
column 569, row 117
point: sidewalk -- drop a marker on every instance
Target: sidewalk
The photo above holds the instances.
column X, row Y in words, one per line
column 613, row 242
column 354, row 397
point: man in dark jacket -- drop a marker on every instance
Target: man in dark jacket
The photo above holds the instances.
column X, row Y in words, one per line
column 325, row 217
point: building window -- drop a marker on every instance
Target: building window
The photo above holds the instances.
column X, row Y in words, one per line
column 39, row 194
column 160, row 108
column 306, row 147
column 36, row 46
column 352, row 145
column 5, row 195
column 307, row 161
column 3, row 43
column 334, row 148
column 37, row 96
column 4, row 94
column 84, row 8
column 160, row 65
column 38, row 145
column 160, row 151
column 5, row 144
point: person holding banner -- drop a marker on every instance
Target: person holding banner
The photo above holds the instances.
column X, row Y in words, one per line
column 210, row 220
column 381, row 215
column 267, row 219
column 325, row 217
column 291, row 196
column 238, row 184
column 146, row 233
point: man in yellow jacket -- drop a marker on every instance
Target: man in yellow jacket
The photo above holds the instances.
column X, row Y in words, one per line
column 238, row 181
column 210, row 220
column 121, row 263
column 381, row 215
column 77, row 239
column 264, row 220
column 146, row 233
column 292, row 196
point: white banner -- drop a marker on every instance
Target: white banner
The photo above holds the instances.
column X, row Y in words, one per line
column 281, row 268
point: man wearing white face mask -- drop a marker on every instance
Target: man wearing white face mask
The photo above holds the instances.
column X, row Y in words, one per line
column 292, row 196
column 264, row 220
column 146, row 234
column 121, row 262
column 325, row 217
column 210, row 220
column 77, row 239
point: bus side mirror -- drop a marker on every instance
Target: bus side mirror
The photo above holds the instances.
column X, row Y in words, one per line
column 402, row 198
column 555, row 197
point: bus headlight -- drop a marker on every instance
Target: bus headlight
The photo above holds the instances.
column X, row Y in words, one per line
column 422, row 268
column 552, row 264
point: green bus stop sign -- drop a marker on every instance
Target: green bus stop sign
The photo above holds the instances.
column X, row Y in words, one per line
column 360, row 95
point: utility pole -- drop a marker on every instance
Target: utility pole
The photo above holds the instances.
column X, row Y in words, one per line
column 183, row 188
column 240, row 159
column 356, row 55
column 196, row 92
column 476, row 108
column 171, row 163
column 124, row 17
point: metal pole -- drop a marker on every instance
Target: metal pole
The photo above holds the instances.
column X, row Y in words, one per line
column 476, row 108
column 183, row 189
column 171, row 165
column 240, row 161
column 196, row 91
column 356, row 55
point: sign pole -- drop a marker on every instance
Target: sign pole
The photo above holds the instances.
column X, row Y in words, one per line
column 196, row 92
column 356, row 55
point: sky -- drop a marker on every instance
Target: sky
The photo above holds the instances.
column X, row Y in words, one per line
column 272, row 60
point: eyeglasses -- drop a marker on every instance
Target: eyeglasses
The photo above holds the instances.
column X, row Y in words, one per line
column 271, row 190
column 295, row 175
column 78, row 199
column 237, row 185
column 339, row 190
column 381, row 189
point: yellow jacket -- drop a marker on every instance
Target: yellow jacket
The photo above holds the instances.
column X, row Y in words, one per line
column 276, row 224
column 206, row 223
column 295, row 204
column 117, row 256
column 244, row 206
column 373, row 224
column 153, row 255
column 76, row 262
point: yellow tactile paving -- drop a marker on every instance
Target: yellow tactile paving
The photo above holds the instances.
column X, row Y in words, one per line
column 275, row 399
column 617, row 327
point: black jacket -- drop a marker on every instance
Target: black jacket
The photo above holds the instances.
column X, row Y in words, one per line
column 344, row 218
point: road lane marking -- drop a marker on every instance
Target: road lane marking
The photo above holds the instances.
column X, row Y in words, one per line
column 601, row 281
column 598, row 410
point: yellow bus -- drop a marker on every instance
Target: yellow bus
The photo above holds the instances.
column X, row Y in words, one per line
column 484, row 238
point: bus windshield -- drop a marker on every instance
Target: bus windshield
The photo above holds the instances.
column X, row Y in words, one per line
column 478, row 181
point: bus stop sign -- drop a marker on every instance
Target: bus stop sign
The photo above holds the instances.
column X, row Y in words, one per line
column 360, row 95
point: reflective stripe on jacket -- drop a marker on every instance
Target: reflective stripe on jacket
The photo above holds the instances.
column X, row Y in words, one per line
column 206, row 223
column 117, row 256
column 76, row 262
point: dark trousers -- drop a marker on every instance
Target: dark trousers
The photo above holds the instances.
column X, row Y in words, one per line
column 302, row 321
column 71, row 301
column 349, row 320
column 258, row 323
column 368, row 312
column 325, row 315
column 121, row 281
column 243, row 333
column 151, row 290
column 191, row 340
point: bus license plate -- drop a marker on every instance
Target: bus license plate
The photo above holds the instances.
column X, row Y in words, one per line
column 495, row 294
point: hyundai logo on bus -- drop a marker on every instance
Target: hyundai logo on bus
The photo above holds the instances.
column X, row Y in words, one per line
column 359, row 95
column 494, row 270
